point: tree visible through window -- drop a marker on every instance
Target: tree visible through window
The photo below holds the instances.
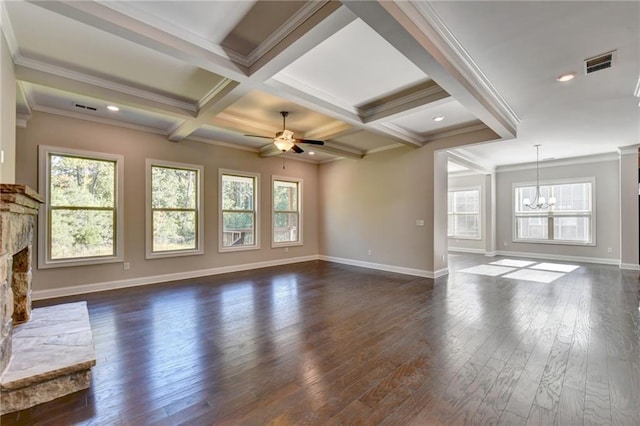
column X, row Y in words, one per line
column 464, row 214
column 286, row 211
column 238, row 195
column 80, row 221
column 174, row 208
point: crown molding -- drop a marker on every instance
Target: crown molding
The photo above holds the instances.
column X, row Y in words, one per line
column 7, row 30
column 414, row 139
column 222, row 85
column 329, row 130
column 275, row 38
column 325, row 97
column 468, row 128
column 385, row 148
column 572, row 161
column 246, row 123
column 25, row 89
column 473, row 165
column 628, row 150
column 636, row 92
column 58, row 71
column 460, row 58
column 411, row 99
column 101, row 120
column 22, row 119
column 126, row 8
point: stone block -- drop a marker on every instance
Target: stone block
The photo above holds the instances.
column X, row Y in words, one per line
column 4, row 267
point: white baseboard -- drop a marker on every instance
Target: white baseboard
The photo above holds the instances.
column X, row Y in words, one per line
column 630, row 266
column 466, row 250
column 599, row 260
column 155, row 279
column 491, row 253
column 441, row 273
column 383, row 267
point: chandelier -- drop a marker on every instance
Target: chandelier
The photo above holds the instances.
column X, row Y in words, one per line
column 538, row 202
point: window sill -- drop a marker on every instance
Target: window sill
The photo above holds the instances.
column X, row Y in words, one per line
column 165, row 254
column 556, row 242
column 51, row 264
column 288, row 244
column 235, row 249
column 456, row 237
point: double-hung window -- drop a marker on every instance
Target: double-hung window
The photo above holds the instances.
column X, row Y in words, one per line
column 238, row 210
column 569, row 221
column 174, row 209
column 464, row 213
column 81, row 222
column 286, row 214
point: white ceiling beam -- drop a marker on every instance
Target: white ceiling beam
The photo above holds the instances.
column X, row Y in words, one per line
column 98, row 15
column 415, row 31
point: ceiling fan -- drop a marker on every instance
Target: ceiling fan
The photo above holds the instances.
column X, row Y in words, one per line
column 285, row 141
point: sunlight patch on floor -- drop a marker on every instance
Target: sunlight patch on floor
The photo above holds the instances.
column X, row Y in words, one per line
column 489, row 270
column 513, row 262
column 557, row 267
column 534, row 275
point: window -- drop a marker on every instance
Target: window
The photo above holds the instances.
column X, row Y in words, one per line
column 174, row 216
column 81, row 222
column 569, row 221
column 239, row 212
column 464, row 213
column 286, row 216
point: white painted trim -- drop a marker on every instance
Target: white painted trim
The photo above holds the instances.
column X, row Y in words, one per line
column 300, row 194
column 466, row 250
column 7, row 30
column 630, row 266
column 636, row 91
column 470, row 127
column 101, row 120
column 399, row 132
column 256, row 210
column 381, row 267
column 587, row 159
column 584, row 259
column 22, row 119
column 491, row 253
column 286, row 80
column 629, row 150
column 441, row 273
column 223, row 144
column 473, row 166
column 385, row 148
column 155, row 279
column 102, row 83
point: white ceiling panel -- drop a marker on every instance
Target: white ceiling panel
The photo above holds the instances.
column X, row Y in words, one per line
column 353, row 67
column 365, row 141
column 421, row 120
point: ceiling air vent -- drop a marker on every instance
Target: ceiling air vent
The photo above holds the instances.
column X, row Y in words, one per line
column 90, row 108
column 597, row 63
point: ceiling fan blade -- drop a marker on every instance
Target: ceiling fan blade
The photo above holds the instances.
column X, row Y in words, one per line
column 310, row 141
column 297, row 149
column 258, row 136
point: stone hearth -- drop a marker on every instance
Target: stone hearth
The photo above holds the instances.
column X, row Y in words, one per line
column 45, row 353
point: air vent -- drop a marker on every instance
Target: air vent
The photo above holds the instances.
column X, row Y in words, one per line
column 90, row 108
column 600, row 62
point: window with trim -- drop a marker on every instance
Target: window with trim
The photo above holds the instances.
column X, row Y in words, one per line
column 174, row 216
column 238, row 210
column 81, row 222
column 286, row 214
column 569, row 221
column 464, row 213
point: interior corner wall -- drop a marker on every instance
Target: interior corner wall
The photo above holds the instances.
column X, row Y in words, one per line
column 7, row 114
column 607, row 211
column 374, row 203
column 136, row 146
column 464, row 182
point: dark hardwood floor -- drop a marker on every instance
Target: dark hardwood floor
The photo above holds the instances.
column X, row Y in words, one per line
column 324, row 343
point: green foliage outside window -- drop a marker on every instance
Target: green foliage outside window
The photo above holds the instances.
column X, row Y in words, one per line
column 238, row 213
column 82, row 207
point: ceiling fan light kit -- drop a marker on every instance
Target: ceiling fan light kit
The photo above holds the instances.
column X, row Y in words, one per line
column 285, row 141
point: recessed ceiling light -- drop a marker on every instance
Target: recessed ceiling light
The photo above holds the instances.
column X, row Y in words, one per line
column 566, row 77
column 438, row 118
column 312, row 153
column 113, row 108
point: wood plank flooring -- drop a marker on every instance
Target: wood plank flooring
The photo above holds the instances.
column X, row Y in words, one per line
column 322, row 343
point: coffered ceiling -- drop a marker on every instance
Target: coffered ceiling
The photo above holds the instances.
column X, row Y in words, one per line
column 361, row 75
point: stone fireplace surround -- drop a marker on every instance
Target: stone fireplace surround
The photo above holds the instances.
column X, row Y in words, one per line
column 45, row 353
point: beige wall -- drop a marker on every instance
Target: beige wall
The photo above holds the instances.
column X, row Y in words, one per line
column 136, row 146
column 607, row 210
column 629, row 249
column 7, row 114
column 373, row 204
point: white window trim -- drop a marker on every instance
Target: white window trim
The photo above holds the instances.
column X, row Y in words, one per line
column 256, row 207
column 44, row 262
column 480, row 204
column 514, row 230
column 150, row 254
column 300, row 241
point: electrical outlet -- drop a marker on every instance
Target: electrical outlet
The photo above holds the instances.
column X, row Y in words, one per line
column 443, row 258
column 286, row 249
column 126, row 266
column 505, row 243
column 369, row 252
column 609, row 250
column 419, row 222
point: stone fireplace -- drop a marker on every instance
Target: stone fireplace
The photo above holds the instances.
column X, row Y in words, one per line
column 19, row 207
column 45, row 353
